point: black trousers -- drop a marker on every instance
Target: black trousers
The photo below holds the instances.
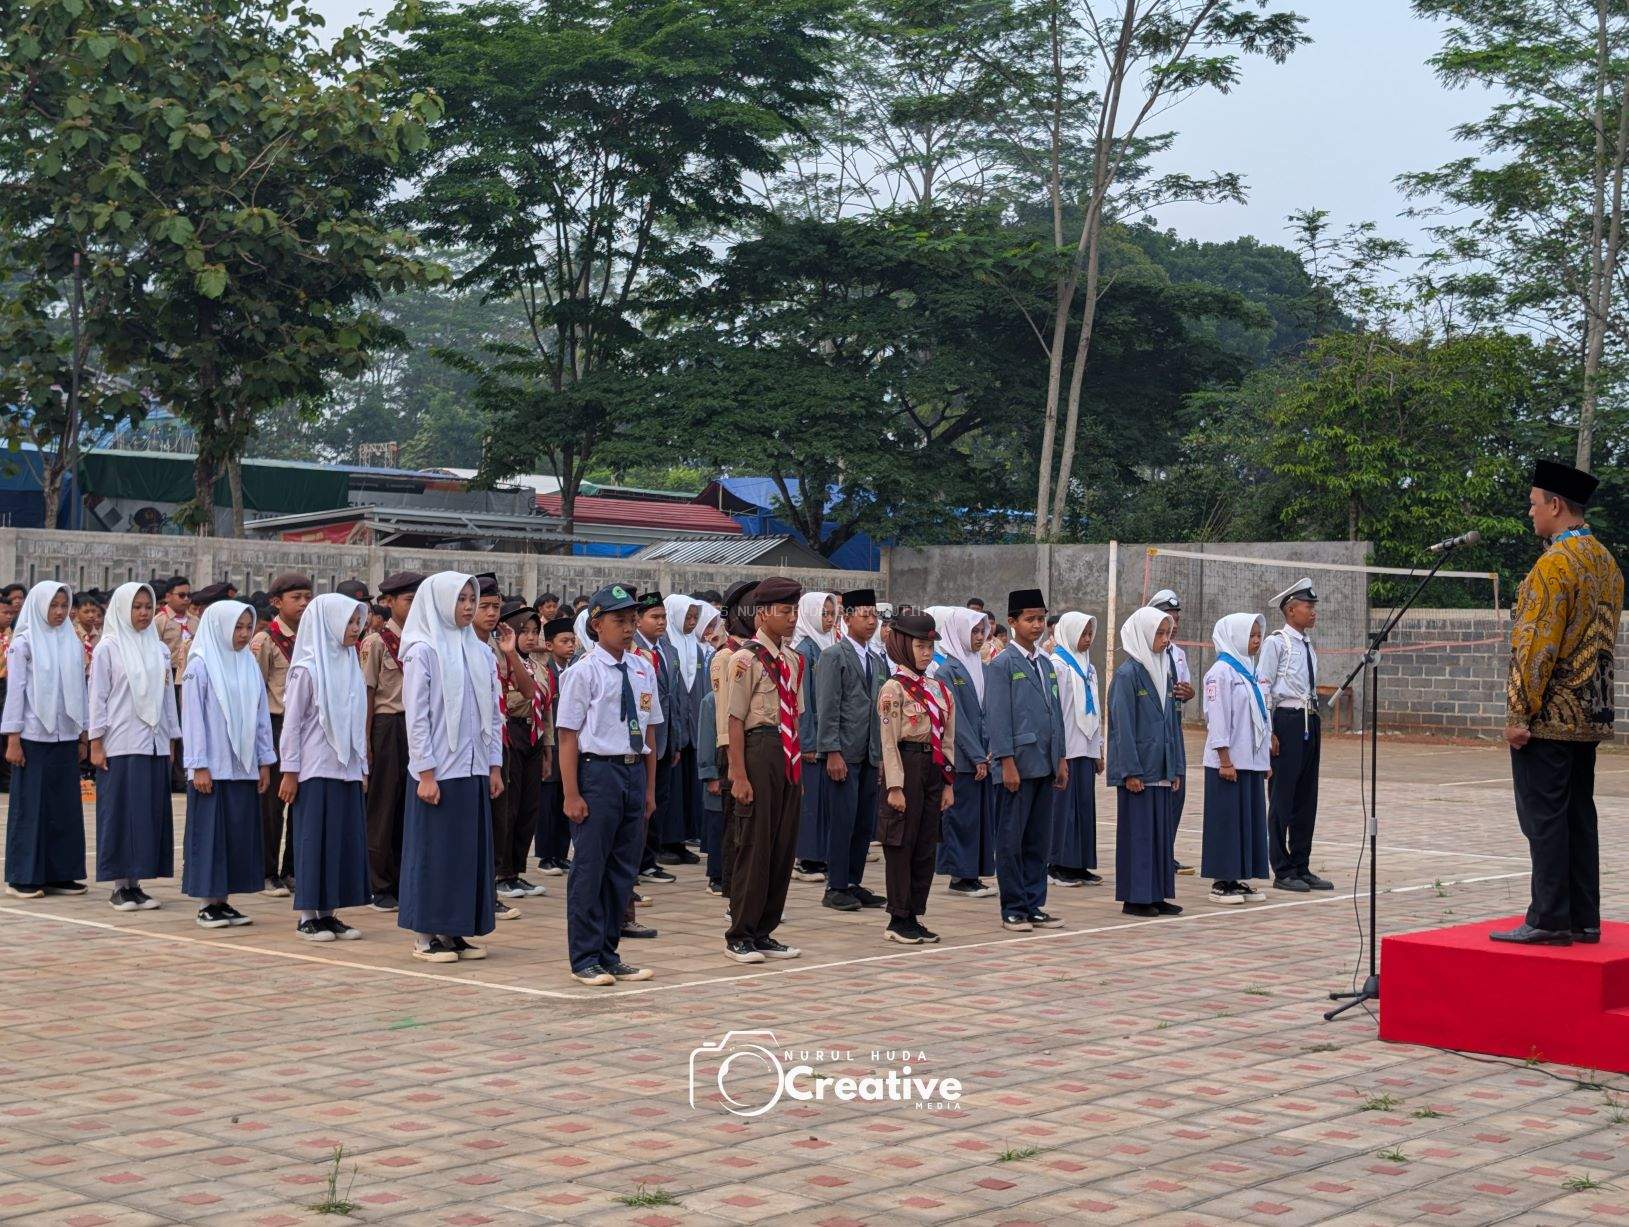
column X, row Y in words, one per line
column 553, row 841
column 1292, row 797
column 523, row 786
column 387, row 797
column 276, row 822
column 766, row 836
column 910, row 837
column 1555, row 804
column 178, row 773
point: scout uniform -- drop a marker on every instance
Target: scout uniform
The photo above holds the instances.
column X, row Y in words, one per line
column 381, row 657
column 272, row 649
column 682, row 653
column 611, row 704
column 917, row 717
column 738, row 622
column 553, row 836
column 1288, row 666
column 526, row 736
column 765, row 692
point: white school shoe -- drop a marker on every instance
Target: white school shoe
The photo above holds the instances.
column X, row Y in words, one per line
column 505, row 912
column 512, row 890
column 25, row 892
column 1252, row 895
column 274, row 889
column 1220, row 895
column 532, row 888
column 122, row 900
column 1055, row 881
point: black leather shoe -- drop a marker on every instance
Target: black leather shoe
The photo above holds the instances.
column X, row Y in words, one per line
column 840, row 901
column 1586, row 937
column 638, row 930
column 867, row 898
column 1294, row 884
column 1139, row 909
column 1526, row 935
column 1314, row 882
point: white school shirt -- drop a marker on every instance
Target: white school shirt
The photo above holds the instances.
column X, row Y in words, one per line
column 112, row 711
column 204, row 741
column 477, row 751
column 304, row 748
column 1227, row 720
column 591, row 702
column 1179, row 664
column 19, row 715
column 1294, row 687
column 1075, row 743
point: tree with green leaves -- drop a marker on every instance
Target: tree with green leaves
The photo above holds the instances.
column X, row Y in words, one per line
column 240, row 166
column 587, row 150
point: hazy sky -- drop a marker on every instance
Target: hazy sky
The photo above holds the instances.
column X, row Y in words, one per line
column 1328, row 129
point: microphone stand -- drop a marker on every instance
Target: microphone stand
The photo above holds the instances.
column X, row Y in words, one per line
column 1369, row 667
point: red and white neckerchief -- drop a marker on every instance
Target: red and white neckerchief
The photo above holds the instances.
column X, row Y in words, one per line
column 393, row 644
column 920, row 692
column 285, row 643
column 540, row 702
column 778, row 668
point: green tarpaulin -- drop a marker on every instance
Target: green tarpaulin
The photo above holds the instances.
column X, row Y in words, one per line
column 269, row 486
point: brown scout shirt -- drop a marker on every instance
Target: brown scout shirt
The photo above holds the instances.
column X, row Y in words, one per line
column 904, row 719
column 753, row 696
column 176, row 635
column 381, row 674
column 273, row 664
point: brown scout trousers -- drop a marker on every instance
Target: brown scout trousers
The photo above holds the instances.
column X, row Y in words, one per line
column 910, row 839
column 766, row 836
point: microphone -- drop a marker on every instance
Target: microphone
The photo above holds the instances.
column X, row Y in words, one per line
column 1451, row 543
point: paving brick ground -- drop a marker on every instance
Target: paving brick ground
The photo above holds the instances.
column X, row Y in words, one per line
column 1171, row 1072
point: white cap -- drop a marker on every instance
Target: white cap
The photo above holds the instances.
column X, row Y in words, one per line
column 1165, row 599
column 1300, row 590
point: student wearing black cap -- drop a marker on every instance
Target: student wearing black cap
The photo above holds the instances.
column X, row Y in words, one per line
column 488, row 605
column 1288, row 667
column 381, row 660
column 526, row 737
column 1560, row 707
column 918, row 722
column 650, row 638
column 273, row 649
column 1023, row 717
column 848, row 679
column 607, row 739
column 719, row 844
column 553, row 834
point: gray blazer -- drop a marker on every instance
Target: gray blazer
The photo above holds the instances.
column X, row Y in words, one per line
column 810, row 651
column 1023, row 715
column 1145, row 741
column 671, row 727
column 971, row 746
column 846, row 707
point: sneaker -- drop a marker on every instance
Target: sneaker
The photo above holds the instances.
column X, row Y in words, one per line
column 926, row 934
column 464, row 950
column 902, row 931
column 802, row 874
column 121, row 900
column 288, row 882
column 340, row 929
column 1044, row 920
column 314, row 931
column 550, row 869
column 65, row 888
column 211, row 916
column 530, row 888
column 1090, row 878
column 1139, row 909
column 1060, row 877
column 435, row 952
column 563, row 864
column 657, row 874
column 1186, row 871
column 1018, row 922
column 143, row 900
column 625, row 971
column 1251, row 894
column 592, row 974
column 840, row 901
column 714, row 886
column 510, row 888
column 772, row 949
column 20, row 890
column 384, row 901
column 234, row 917
column 686, row 856
column 1315, row 882
column 641, row 900
column 637, row 931
column 1167, row 909
column 275, row 888
column 743, row 952
column 971, row 888
column 1291, row 884
column 1227, row 892
column 868, row 899
column 505, row 911
column 664, row 857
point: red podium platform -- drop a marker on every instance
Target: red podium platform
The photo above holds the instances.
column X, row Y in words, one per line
column 1453, row 988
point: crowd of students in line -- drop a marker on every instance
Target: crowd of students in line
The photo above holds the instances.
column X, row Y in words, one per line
column 413, row 751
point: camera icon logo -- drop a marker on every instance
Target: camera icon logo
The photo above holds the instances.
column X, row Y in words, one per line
column 749, row 1075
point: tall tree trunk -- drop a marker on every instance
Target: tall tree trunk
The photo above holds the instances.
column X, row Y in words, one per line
column 1077, row 375
column 203, row 489
column 1063, row 285
column 50, row 492
column 1606, row 234
column 234, row 483
column 66, row 452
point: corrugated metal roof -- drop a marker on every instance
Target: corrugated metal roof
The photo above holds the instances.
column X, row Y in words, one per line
column 728, row 551
column 664, row 517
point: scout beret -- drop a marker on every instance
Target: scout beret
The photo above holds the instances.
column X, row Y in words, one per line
column 915, row 626
column 1574, row 485
column 355, row 589
column 208, row 595
column 737, row 605
column 401, row 582
column 288, row 581
column 558, row 626
column 517, row 611
column 777, row 590
column 1024, row 598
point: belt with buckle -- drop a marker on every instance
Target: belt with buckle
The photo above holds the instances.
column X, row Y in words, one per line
column 625, row 759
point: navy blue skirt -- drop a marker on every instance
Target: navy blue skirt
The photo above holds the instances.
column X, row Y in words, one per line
column 330, row 846
column 1235, row 847
column 447, row 861
column 222, row 849
column 135, row 834
column 45, row 819
column 814, row 822
column 967, row 830
column 1144, row 869
column 681, row 820
column 1074, row 818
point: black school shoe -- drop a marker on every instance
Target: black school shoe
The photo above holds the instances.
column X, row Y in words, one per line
column 213, row 916
column 772, row 949
column 463, row 949
column 1525, row 934
column 867, row 898
column 637, row 930
column 384, row 901
column 970, row 888
column 927, row 935
column 1044, row 920
column 743, row 952
column 657, row 874
column 903, row 931
column 314, row 930
column 1090, row 878
column 626, row 971
column 122, row 900
column 340, row 929
column 1291, row 884
column 840, row 901
column 143, row 900
column 1167, row 909
column 1586, row 937
column 234, row 917
column 65, row 888
column 1139, row 909
column 686, row 856
column 1314, row 882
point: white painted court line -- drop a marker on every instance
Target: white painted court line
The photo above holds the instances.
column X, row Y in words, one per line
column 1473, row 856
column 799, row 968
column 1505, row 779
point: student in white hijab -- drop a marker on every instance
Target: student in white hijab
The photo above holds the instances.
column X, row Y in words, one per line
column 324, row 759
column 1145, row 765
column 816, row 631
column 1238, row 763
column 227, row 751
column 132, row 723
column 967, row 829
column 455, row 755
column 1074, row 811
column 44, row 714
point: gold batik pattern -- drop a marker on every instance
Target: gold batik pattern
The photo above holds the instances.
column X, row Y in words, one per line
column 1563, row 634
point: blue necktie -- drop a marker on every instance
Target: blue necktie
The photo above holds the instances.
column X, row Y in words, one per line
column 630, row 711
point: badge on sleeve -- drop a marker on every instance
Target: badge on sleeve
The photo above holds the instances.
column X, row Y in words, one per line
column 644, row 702
column 1212, row 690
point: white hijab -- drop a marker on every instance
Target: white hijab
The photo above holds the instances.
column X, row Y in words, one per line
column 459, row 655
column 234, row 679
column 580, row 626
column 956, row 625
column 811, row 612
column 1231, row 634
column 684, row 644
column 1071, row 626
column 145, row 660
column 56, row 671
column 1137, row 638
column 336, row 677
